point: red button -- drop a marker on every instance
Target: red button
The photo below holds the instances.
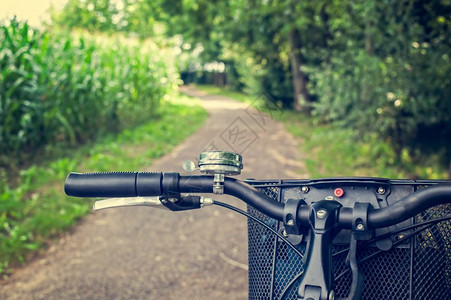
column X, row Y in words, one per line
column 339, row 192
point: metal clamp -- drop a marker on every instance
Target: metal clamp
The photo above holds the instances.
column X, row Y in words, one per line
column 218, row 184
column 360, row 228
column 289, row 216
column 186, row 202
column 292, row 231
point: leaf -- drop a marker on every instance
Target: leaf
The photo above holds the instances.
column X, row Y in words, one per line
column 67, row 126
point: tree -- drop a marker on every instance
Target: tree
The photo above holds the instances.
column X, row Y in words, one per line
column 100, row 15
column 377, row 67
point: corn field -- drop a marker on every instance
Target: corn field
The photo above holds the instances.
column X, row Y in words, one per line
column 57, row 87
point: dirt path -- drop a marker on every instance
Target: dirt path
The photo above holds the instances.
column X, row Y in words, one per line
column 140, row 253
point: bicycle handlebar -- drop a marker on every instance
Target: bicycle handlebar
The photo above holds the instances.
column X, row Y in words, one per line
column 113, row 184
column 133, row 184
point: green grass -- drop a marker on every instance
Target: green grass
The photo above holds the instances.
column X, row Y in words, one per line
column 333, row 151
column 36, row 209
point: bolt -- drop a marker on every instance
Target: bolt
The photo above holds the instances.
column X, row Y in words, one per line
column 332, row 295
column 360, row 226
column 381, row 191
column 400, row 236
column 284, row 233
column 305, row 189
column 321, row 214
column 290, row 222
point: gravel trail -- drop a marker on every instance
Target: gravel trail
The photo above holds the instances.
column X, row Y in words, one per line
column 143, row 253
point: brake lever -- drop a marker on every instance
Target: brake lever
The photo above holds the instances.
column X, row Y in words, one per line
column 124, row 202
column 185, row 203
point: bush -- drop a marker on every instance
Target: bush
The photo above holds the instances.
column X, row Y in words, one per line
column 389, row 76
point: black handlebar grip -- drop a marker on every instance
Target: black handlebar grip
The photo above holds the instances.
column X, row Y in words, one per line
column 149, row 184
column 113, row 184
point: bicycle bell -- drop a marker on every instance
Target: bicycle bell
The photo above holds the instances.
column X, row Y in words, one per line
column 217, row 163
column 220, row 162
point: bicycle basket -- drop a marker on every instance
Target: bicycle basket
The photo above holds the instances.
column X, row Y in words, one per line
column 407, row 264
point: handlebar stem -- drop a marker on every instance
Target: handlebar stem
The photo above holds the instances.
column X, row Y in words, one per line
column 317, row 282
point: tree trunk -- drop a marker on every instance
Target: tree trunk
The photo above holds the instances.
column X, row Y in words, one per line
column 302, row 98
column 369, row 49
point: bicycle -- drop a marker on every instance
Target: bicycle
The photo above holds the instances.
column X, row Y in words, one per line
column 320, row 239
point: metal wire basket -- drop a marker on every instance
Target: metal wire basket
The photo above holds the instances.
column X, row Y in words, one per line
column 416, row 265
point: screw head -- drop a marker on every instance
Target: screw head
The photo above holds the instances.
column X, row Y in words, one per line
column 332, row 295
column 360, row 227
column 381, row 191
column 400, row 236
column 305, row 189
column 290, row 222
column 321, row 214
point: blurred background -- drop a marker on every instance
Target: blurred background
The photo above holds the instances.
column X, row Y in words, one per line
column 84, row 84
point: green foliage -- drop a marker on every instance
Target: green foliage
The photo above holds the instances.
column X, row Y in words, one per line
column 389, row 75
column 112, row 16
column 59, row 88
column 375, row 67
column 36, row 209
column 93, row 15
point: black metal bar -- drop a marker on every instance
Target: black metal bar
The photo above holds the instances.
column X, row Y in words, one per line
column 412, row 253
column 276, row 243
column 409, row 206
